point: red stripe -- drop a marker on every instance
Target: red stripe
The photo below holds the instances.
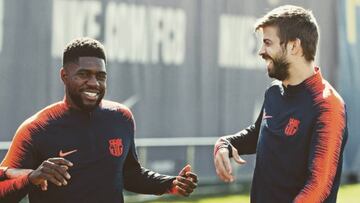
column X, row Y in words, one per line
column 23, row 136
column 9, row 187
column 330, row 123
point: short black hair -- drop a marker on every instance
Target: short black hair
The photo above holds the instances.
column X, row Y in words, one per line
column 83, row 46
column 293, row 22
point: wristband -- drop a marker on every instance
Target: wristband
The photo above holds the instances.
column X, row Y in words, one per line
column 221, row 143
column 172, row 190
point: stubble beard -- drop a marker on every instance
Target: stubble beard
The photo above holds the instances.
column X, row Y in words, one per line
column 78, row 101
column 280, row 70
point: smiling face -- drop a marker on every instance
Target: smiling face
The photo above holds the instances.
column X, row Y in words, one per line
column 85, row 82
column 275, row 54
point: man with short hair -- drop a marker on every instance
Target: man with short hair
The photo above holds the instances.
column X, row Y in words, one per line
column 300, row 133
column 82, row 148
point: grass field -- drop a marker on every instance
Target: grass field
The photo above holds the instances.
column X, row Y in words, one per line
column 347, row 194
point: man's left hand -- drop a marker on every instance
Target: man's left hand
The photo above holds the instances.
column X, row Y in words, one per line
column 185, row 182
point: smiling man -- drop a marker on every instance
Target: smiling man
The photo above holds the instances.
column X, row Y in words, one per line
column 300, row 133
column 82, row 149
column 85, row 86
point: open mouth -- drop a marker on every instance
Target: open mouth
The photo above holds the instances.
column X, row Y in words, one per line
column 91, row 95
column 268, row 62
column 267, row 59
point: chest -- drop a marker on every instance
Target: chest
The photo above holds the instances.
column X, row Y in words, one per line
column 287, row 119
column 86, row 141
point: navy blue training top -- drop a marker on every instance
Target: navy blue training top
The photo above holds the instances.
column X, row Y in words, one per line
column 299, row 138
column 101, row 146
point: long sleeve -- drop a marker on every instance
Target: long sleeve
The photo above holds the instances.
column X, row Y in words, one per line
column 140, row 180
column 13, row 190
column 325, row 157
column 244, row 141
column 20, row 155
column 137, row 178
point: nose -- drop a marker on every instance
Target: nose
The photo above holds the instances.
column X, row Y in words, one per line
column 262, row 50
column 92, row 81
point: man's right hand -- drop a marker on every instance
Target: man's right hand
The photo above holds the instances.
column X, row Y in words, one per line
column 223, row 165
column 53, row 170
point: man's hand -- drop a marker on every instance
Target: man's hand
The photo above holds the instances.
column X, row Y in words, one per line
column 185, row 182
column 223, row 165
column 53, row 170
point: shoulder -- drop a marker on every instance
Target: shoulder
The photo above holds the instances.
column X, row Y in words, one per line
column 329, row 107
column 327, row 98
column 275, row 86
column 324, row 97
column 117, row 107
column 48, row 113
column 41, row 119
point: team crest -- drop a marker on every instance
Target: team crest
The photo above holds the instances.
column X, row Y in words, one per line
column 116, row 147
column 292, row 127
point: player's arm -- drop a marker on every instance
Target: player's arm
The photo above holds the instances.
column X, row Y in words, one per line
column 140, row 180
column 325, row 155
column 243, row 142
column 22, row 155
column 136, row 178
column 19, row 156
column 13, row 184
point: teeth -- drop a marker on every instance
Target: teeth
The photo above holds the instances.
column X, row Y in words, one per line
column 91, row 94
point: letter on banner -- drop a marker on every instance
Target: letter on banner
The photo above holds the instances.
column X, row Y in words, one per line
column 143, row 34
column 238, row 46
column 71, row 19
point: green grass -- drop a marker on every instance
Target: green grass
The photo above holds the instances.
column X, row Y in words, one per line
column 213, row 199
column 347, row 194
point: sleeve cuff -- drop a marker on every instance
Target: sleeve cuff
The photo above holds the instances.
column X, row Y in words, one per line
column 222, row 143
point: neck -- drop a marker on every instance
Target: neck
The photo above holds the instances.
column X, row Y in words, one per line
column 298, row 72
column 70, row 103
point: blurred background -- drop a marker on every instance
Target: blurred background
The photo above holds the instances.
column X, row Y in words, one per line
column 188, row 69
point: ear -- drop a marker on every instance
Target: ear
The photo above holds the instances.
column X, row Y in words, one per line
column 294, row 47
column 63, row 75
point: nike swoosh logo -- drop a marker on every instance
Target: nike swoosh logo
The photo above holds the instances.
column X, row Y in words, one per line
column 266, row 117
column 63, row 154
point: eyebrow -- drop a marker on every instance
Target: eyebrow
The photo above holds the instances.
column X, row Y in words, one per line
column 102, row 72
column 87, row 70
column 266, row 40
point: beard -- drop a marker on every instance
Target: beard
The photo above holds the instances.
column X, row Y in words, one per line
column 78, row 101
column 280, row 70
